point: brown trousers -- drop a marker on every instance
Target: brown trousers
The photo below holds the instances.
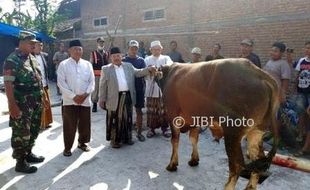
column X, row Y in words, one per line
column 75, row 117
column 46, row 117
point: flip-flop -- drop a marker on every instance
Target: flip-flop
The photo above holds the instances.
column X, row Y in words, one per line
column 116, row 145
column 140, row 137
column 150, row 134
column 166, row 134
column 84, row 147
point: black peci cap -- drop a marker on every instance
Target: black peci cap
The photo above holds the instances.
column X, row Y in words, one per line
column 115, row 50
column 281, row 46
column 75, row 43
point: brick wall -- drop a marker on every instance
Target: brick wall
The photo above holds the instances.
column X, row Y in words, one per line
column 202, row 23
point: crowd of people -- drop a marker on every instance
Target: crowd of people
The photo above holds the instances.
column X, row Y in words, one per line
column 117, row 83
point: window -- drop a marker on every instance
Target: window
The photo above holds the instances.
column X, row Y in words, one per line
column 154, row 14
column 158, row 14
column 148, row 15
column 101, row 22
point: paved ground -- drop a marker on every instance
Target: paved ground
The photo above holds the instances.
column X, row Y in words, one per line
column 137, row 167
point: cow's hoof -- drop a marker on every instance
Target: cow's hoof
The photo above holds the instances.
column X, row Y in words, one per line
column 250, row 188
column 193, row 163
column 172, row 168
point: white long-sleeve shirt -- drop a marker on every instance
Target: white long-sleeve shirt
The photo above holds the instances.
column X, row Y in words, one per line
column 41, row 63
column 75, row 78
column 151, row 88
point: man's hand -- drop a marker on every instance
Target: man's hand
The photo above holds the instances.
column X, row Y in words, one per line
column 159, row 74
column 15, row 112
column 152, row 70
column 76, row 99
column 79, row 99
column 102, row 104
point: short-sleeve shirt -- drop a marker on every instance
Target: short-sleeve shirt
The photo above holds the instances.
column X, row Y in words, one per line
column 279, row 70
column 60, row 56
column 142, row 52
column 254, row 59
column 292, row 86
column 303, row 67
column 176, row 56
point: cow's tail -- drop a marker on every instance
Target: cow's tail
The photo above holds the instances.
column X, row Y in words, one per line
column 264, row 163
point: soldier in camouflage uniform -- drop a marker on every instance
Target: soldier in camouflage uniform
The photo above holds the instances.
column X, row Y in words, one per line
column 24, row 92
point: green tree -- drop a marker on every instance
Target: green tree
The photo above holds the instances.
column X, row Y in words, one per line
column 17, row 14
column 47, row 17
column 45, row 20
column 17, row 18
column 41, row 18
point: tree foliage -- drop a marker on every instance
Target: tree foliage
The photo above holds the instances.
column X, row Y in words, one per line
column 45, row 19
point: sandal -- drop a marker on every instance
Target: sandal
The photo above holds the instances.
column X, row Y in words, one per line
column 115, row 145
column 166, row 134
column 84, row 147
column 302, row 153
column 67, row 153
column 140, row 137
column 150, row 134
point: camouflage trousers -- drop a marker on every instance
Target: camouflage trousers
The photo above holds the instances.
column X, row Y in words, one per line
column 25, row 130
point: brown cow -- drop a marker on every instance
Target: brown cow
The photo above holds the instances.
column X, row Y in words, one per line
column 233, row 88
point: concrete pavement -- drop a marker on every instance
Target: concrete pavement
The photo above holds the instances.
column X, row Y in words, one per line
column 137, row 167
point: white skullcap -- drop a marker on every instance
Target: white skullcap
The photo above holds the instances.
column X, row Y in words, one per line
column 133, row 43
column 156, row 43
column 196, row 50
